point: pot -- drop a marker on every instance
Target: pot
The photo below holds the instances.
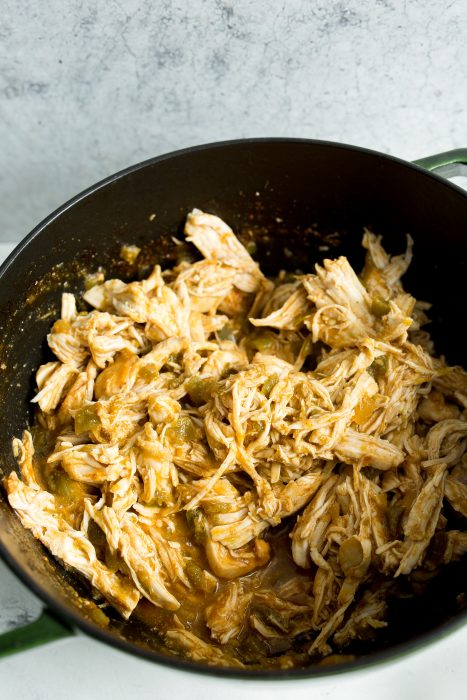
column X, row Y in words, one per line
column 282, row 190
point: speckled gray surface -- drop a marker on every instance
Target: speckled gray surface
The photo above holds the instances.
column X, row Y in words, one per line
column 87, row 88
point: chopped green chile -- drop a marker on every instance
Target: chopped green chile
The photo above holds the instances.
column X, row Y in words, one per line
column 184, row 430
column 227, row 371
column 269, row 384
column 149, row 372
column 43, row 441
column 307, row 346
column 86, row 419
column 195, row 520
column 93, row 279
column 199, row 578
column 226, row 333
column 251, row 247
column 263, row 341
column 200, row 389
column 176, row 382
column 96, row 535
column 67, row 490
column 379, row 367
column 379, row 307
column 271, row 617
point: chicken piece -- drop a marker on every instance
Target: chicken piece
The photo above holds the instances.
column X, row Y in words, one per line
column 381, row 273
column 104, row 347
column 208, row 282
column 237, row 304
column 119, row 418
column 132, row 302
column 139, row 552
column 53, row 381
column 452, row 381
column 168, row 314
column 102, row 334
column 310, row 529
column 23, row 450
column 346, row 314
column 150, row 365
column 196, row 460
column 337, row 288
column 279, row 295
column 68, row 309
column 367, row 450
column 434, row 408
column 195, row 649
column 226, row 465
column 421, row 523
column 119, row 376
column 224, row 562
column 456, row 494
column 445, row 443
column 171, row 558
column 90, row 464
column 261, row 298
column 291, row 315
column 325, row 592
column 163, row 409
column 210, row 324
column 329, row 428
column 374, row 503
column 228, row 564
column 243, row 524
column 337, row 367
column 124, row 493
column 274, row 618
column 455, row 546
column 229, row 357
column 66, row 346
column 100, row 296
column 156, row 468
column 216, row 241
column 221, row 503
column 226, row 614
column 36, row 510
column 355, row 552
column 344, row 600
column 399, row 391
column 294, row 495
column 80, row 393
column 235, row 533
column 364, row 619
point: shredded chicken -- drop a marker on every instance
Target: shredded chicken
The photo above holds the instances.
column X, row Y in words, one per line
column 192, row 416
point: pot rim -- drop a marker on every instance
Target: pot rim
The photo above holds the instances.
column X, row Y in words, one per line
column 102, row 634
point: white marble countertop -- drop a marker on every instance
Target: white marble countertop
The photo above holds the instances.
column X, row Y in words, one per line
column 88, row 88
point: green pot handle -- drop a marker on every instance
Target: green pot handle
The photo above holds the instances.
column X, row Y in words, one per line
column 448, row 164
column 47, row 628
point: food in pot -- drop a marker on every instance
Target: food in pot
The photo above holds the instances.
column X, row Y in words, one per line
column 252, row 466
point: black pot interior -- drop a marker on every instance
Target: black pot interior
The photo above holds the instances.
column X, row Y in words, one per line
column 282, row 192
